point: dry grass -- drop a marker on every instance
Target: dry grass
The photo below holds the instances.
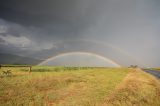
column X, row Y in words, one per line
column 86, row 87
column 137, row 89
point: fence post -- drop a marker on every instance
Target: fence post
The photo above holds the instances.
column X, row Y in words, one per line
column 30, row 69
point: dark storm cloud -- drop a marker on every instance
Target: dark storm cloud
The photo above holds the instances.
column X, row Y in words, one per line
column 58, row 16
column 47, row 21
column 39, row 26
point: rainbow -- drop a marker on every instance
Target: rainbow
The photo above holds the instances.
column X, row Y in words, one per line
column 86, row 53
column 119, row 50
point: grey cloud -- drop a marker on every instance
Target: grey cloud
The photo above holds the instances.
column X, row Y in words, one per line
column 23, row 37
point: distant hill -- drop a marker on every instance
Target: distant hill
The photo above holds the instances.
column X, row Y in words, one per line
column 15, row 59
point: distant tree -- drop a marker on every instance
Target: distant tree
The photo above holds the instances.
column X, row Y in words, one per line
column 133, row 66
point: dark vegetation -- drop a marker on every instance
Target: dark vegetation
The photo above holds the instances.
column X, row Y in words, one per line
column 17, row 60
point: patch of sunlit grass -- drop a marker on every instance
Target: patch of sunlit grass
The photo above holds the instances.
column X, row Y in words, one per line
column 158, row 69
column 138, row 88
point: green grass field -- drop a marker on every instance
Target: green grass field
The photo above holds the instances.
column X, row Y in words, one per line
column 158, row 69
column 62, row 86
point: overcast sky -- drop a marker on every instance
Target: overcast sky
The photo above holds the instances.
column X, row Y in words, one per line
column 126, row 31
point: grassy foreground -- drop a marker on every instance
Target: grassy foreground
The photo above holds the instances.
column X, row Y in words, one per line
column 79, row 87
